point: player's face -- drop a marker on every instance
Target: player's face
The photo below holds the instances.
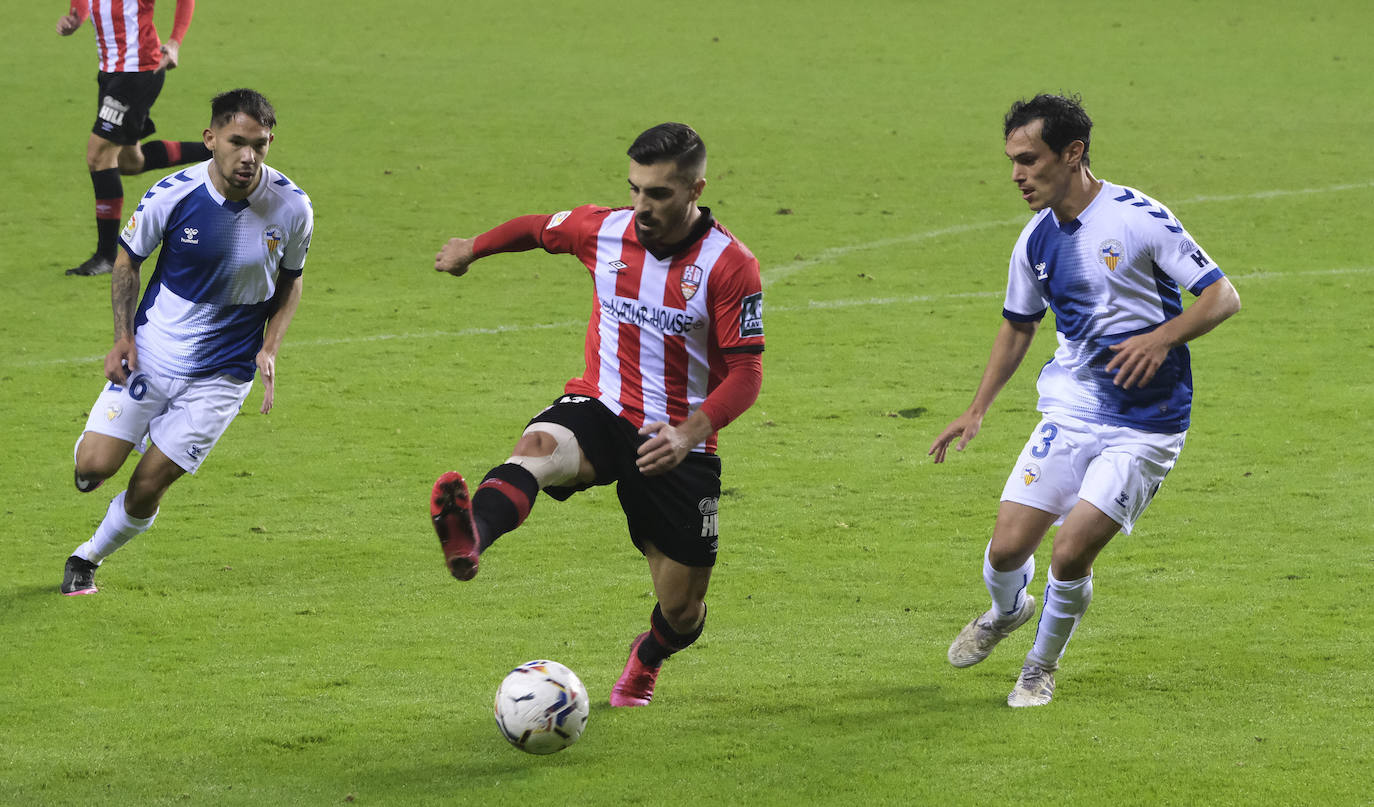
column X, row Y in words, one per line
column 237, row 150
column 1043, row 177
column 664, row 203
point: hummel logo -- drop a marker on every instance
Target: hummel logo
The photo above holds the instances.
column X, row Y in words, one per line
column 1040, row 273
column 190, row 236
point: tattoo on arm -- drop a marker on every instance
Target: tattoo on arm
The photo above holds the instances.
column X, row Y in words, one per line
column 123, row 296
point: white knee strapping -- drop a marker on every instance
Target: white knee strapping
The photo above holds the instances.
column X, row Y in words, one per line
column 558, row 468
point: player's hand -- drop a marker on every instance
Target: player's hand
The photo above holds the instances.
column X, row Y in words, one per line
column 267, row 368
column 171, row 50
column 965, row 427
column 455, row 257
column 122, row 360
column 665, row 449
column 1137, row 359
column 67, row 24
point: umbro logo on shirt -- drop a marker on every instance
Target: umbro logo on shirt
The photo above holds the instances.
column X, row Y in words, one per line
column 190, row 235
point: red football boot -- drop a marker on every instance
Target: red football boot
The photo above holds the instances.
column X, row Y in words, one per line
column 636, row 684
column 451, row 509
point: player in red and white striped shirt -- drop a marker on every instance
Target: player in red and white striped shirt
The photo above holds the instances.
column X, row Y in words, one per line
column 133, row 65
column 673, row 354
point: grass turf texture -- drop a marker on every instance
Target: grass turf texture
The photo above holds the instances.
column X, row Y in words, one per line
column 287, row 634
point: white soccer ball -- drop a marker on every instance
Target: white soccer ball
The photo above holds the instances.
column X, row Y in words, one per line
column 541, row 707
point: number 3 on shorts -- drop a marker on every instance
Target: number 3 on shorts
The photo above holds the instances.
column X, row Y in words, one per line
column 1041, row 451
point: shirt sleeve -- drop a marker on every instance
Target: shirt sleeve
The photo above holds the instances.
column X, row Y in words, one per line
column 181, row 19
column 737, row 304
column 1025, row 300
column 572, row 232
column 298, row 242
column 737, row 392
column 143, row 231
column 517, row 235
column 1175, row 252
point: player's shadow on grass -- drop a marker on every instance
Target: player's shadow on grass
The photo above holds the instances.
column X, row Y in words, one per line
column 32, row 592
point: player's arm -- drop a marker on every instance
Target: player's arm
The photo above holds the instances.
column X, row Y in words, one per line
column 1138, row 358
column 284, row 304
column 517, row 235
column 123, row 357
column 69, row 22
column 1008, row 349
column 181, row 22
column 669, row 445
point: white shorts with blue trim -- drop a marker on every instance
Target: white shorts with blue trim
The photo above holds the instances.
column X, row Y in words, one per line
column 183, row 417
column 1114, row 468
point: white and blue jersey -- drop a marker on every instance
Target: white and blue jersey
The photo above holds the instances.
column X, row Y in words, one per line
column 1112, row 273
column 205, row 307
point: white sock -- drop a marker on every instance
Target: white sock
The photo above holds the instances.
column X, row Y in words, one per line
column 1064, row 605
column 117, row 529
column 1008, row 589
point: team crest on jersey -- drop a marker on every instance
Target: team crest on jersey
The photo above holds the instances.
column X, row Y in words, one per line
column 1110, row 253
column 691, row 280
column 273, row 235
column 557, row 219
column 113, row 412
column 1030, row 473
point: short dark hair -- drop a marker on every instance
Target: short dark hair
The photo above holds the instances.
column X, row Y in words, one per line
column 677, row 142
column 226, row 105
column 1063, row 117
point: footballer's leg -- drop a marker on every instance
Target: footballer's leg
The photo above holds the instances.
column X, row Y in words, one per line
column 130, row 513
column 102, row 160
column 1084, row 534
column 1008, row 566
column 675, row 623
column 547, row 455
column 97, row 457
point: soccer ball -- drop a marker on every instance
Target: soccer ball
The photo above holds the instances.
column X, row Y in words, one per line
column 541, row 707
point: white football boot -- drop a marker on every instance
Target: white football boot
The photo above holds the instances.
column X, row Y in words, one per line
column 979, row 637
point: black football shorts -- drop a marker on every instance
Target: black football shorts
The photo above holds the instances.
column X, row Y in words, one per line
column 675, row 511
column 124, row 105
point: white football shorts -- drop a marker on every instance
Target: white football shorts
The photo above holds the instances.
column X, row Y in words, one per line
column 183, row 417
column 1114, row 468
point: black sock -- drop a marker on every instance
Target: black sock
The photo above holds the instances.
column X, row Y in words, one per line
column 502, row 502
column 162, row 153
column 663, row 641
column 109, row 210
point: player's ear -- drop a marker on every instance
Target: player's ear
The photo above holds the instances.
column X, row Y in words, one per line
column 698, row 187
column 1073, row 154
column 209, row 137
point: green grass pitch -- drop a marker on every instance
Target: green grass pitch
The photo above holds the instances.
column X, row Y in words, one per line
column 286, row 633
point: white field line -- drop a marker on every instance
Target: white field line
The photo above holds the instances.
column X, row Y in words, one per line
column 930, row 298
column 813, row 305
column 797, row 266
column 778, row 272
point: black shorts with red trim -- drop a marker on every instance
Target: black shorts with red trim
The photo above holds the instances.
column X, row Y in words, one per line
column 675, row 511
column 124, row 105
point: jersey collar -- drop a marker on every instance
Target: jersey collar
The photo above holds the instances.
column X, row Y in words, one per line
column 704, row 223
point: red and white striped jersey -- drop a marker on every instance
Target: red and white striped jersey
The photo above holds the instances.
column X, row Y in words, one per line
column 125, row 37
column 659, row 329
